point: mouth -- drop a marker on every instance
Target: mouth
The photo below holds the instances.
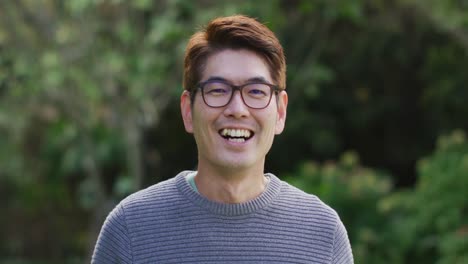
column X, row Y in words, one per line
column 236, row 135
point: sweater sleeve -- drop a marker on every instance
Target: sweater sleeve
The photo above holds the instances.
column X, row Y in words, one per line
column 342, row 253
column 113, row 244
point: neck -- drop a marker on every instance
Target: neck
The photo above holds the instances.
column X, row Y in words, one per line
column 234, row 187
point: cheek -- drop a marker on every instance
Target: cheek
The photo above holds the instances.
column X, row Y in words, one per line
column 202, row 124
column 269, row 123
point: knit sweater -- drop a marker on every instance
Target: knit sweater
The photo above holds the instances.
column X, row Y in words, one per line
column 171, row 223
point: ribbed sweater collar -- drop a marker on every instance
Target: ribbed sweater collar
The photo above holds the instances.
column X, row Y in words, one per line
column 263, row 200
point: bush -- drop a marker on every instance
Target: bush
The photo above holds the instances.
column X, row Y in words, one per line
column 434, row 216
column 427, row 224
column 354, row 192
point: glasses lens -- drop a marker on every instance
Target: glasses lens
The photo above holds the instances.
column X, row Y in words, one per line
column 256, row 95
column 216, row 93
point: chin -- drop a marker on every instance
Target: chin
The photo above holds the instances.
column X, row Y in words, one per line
column 237, row 164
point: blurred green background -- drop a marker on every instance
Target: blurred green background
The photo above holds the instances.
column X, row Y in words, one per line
column 377, row 119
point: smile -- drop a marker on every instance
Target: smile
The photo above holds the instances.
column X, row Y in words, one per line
column 236, row 135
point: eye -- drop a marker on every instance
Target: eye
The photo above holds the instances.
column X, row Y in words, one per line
column 257, row 90
column 216, row 89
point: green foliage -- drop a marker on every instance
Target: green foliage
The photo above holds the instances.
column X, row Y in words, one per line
column 81, row 83
column 436, row 211
column 355, row 192
column 367, row 75
column 89, row 113
column 425, row 225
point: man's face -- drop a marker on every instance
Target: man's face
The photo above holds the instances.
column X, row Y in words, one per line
column 214, row 128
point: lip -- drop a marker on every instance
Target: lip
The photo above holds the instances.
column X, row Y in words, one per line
column 236, row 127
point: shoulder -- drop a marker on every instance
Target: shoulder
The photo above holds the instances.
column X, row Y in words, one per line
column 161, row 194
column 154, row 198
column 315, row 220
column 307, row 205
column 304, row 200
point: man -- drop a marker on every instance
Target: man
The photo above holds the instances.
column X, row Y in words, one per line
column 229, row 210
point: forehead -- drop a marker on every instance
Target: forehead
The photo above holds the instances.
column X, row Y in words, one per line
column 236, row 66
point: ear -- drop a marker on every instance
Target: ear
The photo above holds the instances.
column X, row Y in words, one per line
column 281, row 117
column 186, row 111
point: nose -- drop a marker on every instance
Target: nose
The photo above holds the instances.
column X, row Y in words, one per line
column 236, row 107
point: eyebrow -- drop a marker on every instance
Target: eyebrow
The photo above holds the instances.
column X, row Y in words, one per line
column 250, row 80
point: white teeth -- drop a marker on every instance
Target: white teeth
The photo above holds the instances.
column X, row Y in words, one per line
column 237, row 133
column 237, row 139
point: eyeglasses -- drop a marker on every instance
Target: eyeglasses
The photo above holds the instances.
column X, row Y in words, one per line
column 254, row 95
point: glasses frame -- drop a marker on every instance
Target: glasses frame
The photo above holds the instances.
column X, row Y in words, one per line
column 274, row 90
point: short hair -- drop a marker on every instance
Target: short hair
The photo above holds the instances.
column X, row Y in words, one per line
column 233, row 32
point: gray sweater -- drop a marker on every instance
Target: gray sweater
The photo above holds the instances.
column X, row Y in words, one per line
column 171, row 223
